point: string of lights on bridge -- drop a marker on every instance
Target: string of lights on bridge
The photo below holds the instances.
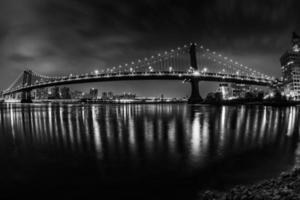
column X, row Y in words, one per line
column 171, row 61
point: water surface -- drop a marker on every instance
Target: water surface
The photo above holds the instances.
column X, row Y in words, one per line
column 142, row 151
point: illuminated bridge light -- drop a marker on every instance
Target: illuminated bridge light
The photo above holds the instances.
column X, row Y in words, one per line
column 196, row 73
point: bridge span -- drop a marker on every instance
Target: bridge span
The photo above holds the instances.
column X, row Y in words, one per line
column 165, row 67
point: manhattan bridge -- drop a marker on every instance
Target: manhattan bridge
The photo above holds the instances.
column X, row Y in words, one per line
column 190, row 63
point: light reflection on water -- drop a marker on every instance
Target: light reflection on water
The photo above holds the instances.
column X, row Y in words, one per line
column 159, row 141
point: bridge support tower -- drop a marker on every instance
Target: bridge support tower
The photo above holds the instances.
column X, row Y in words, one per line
column 195, row 95
column 27, row 80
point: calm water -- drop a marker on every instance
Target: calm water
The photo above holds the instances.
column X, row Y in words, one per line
column 142, row 151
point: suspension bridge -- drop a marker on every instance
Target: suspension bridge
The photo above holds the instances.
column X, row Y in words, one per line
column 190, row 63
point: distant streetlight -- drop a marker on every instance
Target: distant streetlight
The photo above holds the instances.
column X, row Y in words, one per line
column 196, row 73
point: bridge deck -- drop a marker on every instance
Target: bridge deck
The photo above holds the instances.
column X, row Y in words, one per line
column 216, row 77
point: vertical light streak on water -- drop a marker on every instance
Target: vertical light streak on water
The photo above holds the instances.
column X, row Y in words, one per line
column 270, row 120
column 240, row 119
column 38, row 123
column 45, row 123
column 97, row 136
column 71, row 128
column 276, row 121
column 204, row 135
column 12, row 123
column 56, row 130
column 120, row 130
column 291, row 121
column 160, row 131
column 42, row 132
column 78, row 136
column 132, row 135
column 50, row 119
column 63, row 128
column 263, row 126
column 248, row 129
column 172, row 135
column 254, row 135
column 195, row 139
column 148, row 131
column 37, row 127
column 187, row 128
column 108, row 125
column 85, row 119
column 222, row 129
column 32, row 124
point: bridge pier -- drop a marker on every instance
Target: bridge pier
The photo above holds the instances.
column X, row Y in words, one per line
column 195, row 95
column 26, row 97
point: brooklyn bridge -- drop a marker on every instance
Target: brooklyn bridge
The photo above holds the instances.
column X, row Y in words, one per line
column 190, row 63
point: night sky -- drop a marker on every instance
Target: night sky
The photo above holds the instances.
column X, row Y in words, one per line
column 57, row 37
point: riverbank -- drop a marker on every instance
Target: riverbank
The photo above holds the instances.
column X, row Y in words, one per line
column 285, row 187
column 244, row 102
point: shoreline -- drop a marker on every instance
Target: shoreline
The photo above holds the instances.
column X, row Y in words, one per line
column 284, row 187
column 275, row 104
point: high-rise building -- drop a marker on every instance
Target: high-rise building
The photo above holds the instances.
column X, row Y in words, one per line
column 77, row 94
column 54, row 93
column 240, row 90
column 93, row 93
column 290, row 66
column 225, row 90
column 41, row 93
column 65, row 93
column 104, row 96
column 110, row 95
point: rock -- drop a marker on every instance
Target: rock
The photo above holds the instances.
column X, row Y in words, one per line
column 285, row 187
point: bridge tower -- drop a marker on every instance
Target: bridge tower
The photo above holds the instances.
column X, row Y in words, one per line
column 195, row 95
column 27, row 80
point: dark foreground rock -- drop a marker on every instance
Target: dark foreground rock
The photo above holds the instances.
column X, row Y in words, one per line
column 285, row 187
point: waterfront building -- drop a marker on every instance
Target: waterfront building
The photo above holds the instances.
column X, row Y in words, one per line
column 54, row 93
column 93, row 93
column 77, row 94
column 110, row 95
column 41, row 93
column 225, row 90
column 104, row 96
column 65, row 93
column 290, row 66
column 125, row 96
column 239, row 90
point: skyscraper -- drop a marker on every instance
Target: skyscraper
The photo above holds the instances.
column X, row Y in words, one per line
column 93, row 93
column 225, row 90
column 290, row 66
column 65, row 93
column 54, row 93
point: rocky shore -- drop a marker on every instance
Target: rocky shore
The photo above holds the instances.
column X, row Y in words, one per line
column 285, row 187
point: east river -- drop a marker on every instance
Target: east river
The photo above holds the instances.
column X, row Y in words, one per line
column 167, row 151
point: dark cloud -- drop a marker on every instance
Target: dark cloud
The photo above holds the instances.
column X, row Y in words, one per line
column 20, row 58
column 55, row 36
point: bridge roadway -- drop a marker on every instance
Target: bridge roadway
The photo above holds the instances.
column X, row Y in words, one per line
column 166, row 75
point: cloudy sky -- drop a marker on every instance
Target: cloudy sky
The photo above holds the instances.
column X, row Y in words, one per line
column 56, row 37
